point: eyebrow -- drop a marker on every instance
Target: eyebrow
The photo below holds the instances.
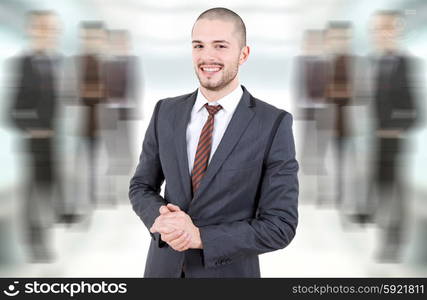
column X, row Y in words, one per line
column 215, row 41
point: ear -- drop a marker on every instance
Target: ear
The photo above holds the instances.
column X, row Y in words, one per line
column 244, row 54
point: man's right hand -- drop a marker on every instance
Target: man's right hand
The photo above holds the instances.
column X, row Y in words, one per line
column 178, row 239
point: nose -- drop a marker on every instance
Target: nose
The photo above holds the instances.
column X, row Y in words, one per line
column 208, row 54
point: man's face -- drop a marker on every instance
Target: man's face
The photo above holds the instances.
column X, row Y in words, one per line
column 338, row 40
column 118, row 44
column 313, row 43
column 217, row 53
column 93, row 40
column 385, row 31
column 44, row 31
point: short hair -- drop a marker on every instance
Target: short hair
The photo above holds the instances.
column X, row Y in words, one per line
column 40, row 13
column 118, row 33
column 34, row 14
column 92, row 25
column 309, row 33
column 345, row 25
column 225, row 14
column 389, row 13
column 33, row 17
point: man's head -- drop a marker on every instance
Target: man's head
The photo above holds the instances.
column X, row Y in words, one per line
column 118, row 42
column 313, row 42
column 93, row 36
column 43, row 29
column 219, row 47
column 338, row 37
column 386, row 29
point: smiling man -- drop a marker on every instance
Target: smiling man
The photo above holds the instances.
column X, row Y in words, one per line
column 228, row 160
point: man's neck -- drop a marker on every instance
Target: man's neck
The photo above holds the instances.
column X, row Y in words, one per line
column 40, row 50
column 213, row 96
column 392, row 48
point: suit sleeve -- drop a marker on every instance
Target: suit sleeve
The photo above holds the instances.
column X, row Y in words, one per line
column 277, row 213
column 145, row 185
column 404, row 115
column 23, row 113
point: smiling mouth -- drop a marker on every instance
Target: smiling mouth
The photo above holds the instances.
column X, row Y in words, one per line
column 210, row 69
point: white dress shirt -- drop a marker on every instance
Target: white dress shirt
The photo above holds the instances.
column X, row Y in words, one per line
column 199, row 116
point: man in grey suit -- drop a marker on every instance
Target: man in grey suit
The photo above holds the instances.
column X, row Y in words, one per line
column 228, row 160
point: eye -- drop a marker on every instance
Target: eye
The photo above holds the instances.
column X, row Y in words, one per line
column 221, row 46
column 197, row 46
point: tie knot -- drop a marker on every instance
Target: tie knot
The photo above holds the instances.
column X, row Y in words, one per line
column 213, row 109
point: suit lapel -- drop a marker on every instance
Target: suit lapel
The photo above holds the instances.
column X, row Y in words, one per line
column 182, row 117
column 238, row 123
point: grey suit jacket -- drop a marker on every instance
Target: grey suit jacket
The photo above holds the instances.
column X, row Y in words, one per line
column 247, row 200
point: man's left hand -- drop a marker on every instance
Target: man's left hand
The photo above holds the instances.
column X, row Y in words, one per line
column 174, row 217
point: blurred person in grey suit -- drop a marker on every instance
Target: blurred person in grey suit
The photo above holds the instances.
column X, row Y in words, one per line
column 34, row 112
column 228, row 160
column 310, row 82
column 395, row 113
column 340, row 94
column 122, row 107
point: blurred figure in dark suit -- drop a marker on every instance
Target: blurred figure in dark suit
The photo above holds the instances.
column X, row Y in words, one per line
column 121, row 108
column 395, row 112
column 34, row 111
column 310, row 91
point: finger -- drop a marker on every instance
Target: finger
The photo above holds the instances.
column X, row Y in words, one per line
column 174, row 215
column 178, row 241
column 181, row 241
column 163, row 219
column 163, row 210
column 172, row 220
column 153, row 227
column 168, row 237
column 174, row 234
column 173, row 207
column 184, row 246
column 164, row 229
column 169, row 216
column 176, row 224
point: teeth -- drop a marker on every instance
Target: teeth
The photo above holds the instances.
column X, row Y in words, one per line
column 211, row 69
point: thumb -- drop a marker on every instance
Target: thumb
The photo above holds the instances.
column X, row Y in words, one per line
column 163, row 210
column 173, row 207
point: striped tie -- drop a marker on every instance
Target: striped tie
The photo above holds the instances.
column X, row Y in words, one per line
column 204, row 148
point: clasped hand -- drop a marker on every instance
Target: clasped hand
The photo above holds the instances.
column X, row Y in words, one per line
column 176, row 228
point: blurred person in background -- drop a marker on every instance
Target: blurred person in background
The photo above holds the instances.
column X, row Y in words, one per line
column 310, row 82
column 340, row 89
column 92, row 95
column 122, row 107
column 34, row 112
column 395, row 113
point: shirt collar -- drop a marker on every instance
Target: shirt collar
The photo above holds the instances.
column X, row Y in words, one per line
column 228, row 102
